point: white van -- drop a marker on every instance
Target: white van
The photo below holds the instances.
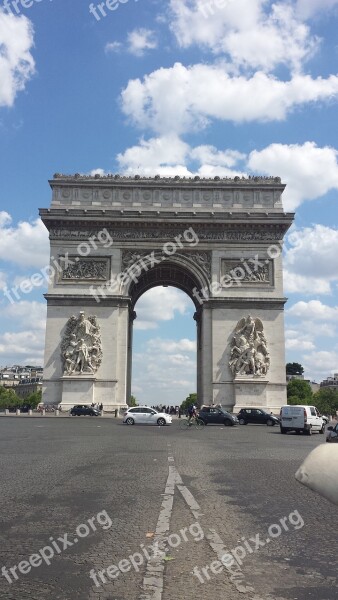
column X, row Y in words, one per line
column 301, row 418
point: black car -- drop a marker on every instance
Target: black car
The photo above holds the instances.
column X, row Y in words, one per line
column 256, row 415
column 82, row 409
column 214, row 414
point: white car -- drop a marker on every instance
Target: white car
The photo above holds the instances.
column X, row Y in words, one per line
column 146, row 416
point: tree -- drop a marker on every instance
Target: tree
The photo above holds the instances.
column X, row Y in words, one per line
column 34, row 399
column 301, row 390
column 326, row 400
column 132, row 401
column 8, row 398
column 294, row 369
column 191, row 399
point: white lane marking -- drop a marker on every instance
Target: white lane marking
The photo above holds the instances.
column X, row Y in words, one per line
column 236, row 573
column 153, row 578
column 153, row 583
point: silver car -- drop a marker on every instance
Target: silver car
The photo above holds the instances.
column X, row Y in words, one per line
column 332, row 434
column 146, row 416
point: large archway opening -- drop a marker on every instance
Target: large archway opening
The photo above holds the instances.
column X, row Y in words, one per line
column 164, row 348
column 164, row 359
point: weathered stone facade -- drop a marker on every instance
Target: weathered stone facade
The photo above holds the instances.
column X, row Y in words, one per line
column 112, row 238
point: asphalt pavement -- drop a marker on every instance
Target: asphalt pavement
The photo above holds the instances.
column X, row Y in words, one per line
column 94, row 509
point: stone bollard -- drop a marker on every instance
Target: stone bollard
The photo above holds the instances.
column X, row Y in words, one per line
column 17, row 412
column 57, row 412
column 116, row 411
column 6, row 411
column 43, row 413
column 30, row 412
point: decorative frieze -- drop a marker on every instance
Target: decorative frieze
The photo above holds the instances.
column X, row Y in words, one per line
column 79, row 269
column 139, row 233
column 250, row 271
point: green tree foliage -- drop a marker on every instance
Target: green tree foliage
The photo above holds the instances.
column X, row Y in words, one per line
column 326, row 400
column 294, row 369
column 33, row 399
column 132, row 401
column 8, row 398
column 299, row 390
column 191, row 399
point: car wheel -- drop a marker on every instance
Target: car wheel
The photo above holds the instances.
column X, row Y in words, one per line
column 270, row 422
column 227, row 423
column 322, row 430
column 309, row 431
column 130, row 421
column 242, row 421
column 161, row 421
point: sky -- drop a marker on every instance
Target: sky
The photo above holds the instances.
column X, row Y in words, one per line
column 208, row 87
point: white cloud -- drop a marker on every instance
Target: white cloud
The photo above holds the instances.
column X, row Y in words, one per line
column 3, row 280
column 313, row 251
column 212, row 156
column 250, row 33
column 320, row 364
column 168, row 155
column 295, row 283
column 25, row 244
column 310, row 265
column 140, row 40
column 164, row 345
column 98, row 171
column 298, row 344
column 314, row 310
column 18, row 346
column 25, row 313
column 16, row 62
column 157, row 154
column 112, row 47
column 309, row 171
column 204, row 92
column 170, row 365
column 160, row 304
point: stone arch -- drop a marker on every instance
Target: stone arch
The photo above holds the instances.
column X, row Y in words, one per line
column 200, row 231
column 178, row 271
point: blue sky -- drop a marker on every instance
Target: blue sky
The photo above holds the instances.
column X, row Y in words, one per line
column 172, row 87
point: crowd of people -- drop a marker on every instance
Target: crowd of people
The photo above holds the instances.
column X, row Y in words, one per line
column 169, row 410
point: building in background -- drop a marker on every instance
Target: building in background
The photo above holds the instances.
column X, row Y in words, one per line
column 331, row 382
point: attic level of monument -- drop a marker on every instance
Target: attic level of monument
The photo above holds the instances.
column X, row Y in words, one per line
column 257, row 194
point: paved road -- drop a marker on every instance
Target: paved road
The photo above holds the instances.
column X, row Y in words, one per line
column 149, row 506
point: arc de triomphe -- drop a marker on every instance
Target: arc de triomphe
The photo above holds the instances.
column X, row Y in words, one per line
column 112, row 238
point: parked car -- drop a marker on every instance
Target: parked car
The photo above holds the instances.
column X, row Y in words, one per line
column 82, row 409
column 257, row 416
column 301, row 419
column 146, row 416
column 212, row 414
column 332, row 434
